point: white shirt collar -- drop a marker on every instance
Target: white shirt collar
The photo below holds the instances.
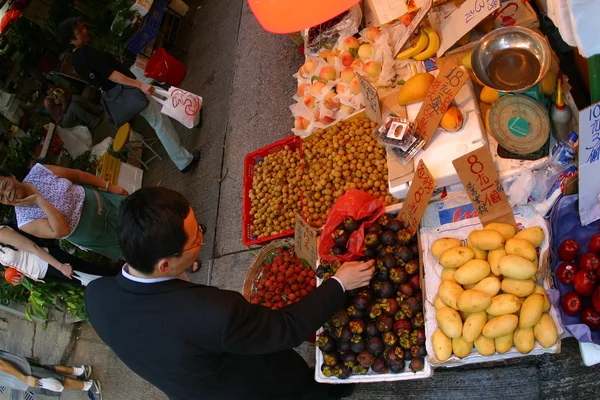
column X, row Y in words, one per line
column 144, row 280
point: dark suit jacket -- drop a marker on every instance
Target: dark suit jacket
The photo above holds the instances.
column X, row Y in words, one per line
column 200, row 342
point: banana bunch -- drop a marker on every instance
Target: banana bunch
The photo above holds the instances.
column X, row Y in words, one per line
column 427, row 45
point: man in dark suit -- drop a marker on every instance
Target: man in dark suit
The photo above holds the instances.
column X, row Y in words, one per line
column 195, row 341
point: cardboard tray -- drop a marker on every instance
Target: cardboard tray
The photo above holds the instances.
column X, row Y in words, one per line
column 526, row 217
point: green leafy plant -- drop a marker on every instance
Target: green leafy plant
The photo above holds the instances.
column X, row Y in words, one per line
column 50, row 295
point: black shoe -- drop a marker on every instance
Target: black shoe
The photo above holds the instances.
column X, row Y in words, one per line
column 192, row 164
column 95, row 392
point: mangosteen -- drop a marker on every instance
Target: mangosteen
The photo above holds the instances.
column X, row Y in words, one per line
column 384, row 323
column 415, row 281
column 338, row 251
column 357, row 326
column 406, row 289
column 367, row 292
column 371, row 240
column 389, row 339
column 396, row 369
column 384, row 220
column 395, row 225
column 382, row 274
column 321, row 271
column 371, row 329
column 373, row 228
column 337, row 371
column 388, row 261
column 369, row 253
column 379, row 366
column 403, row 341
column 374, row 310
column 387, row 238
column 343, row 346
column 346, row 334
column 365, row 359
column 360, row 370
column 416, row 365
column 348, row 359
column 402, row 326
column 361, row 301
column 331, row 359
column 350, row 224
column 418, row 321
column 412, row 267
column 400, row 314
column 389, row 306
column 403, row 253
column 414, row 305
column 354, row 313
column 340, row 318
column 398, row 275
column 419, row 296
column 346, row 371
column 326, row 370
column 381, row 251
column 395, row 356
column 422, row 351
column 357, row 344
column 419, row 335
column 383, row 288
column 340, row 238
column 326, row 343
column 403, row 236
column 414, row 247
column 389, row 249
column 335, row 332
column 375, row 346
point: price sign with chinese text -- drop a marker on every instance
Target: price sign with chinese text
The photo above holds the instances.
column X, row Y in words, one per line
column 417, row 199
column 305, row 242
column 372, row 109
column 482, row 183
column 589, row 164
column 463, row 20
column 441, row 92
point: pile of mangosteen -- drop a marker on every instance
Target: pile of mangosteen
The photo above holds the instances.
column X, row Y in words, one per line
column 382, row 326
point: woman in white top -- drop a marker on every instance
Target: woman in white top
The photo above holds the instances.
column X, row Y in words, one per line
column 50, row 264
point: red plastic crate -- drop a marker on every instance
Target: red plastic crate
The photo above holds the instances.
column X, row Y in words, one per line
column 250, row 161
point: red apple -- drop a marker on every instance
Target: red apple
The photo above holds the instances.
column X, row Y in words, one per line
column 568, row 250
column 591, row 318
column 566, row 272
column 589, row 262
column 585, row 283
column 571, row 303
column 596, row 299
column 595, row 243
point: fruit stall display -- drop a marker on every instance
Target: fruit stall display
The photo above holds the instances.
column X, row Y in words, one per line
column 488, row 297
column 380, row 334
column 576, row 265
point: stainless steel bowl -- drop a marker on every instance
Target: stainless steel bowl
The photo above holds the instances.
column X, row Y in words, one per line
column 516, row 72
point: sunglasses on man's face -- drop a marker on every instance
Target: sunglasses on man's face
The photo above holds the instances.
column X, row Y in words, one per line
column 199, row 242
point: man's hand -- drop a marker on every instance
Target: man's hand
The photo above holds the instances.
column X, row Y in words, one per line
column 146, row 88
column 31, row 381
column 355, row 274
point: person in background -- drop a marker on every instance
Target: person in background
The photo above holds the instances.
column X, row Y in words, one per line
column 50, row 264
column 19, row 373
column 195, row 341
column 69, row 110
column 103, row 72
column 52, row 202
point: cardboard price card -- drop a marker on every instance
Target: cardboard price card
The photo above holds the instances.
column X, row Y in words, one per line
column 419, row 194
column 372, row 109
column 589, row 164
column 463, row 20
column 412, row 26
column 441, row 92
column 482, row 183
column 305, row 242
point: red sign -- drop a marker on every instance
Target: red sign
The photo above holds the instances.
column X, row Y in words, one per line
column 421, row 190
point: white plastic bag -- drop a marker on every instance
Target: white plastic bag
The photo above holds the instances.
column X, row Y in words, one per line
column 520, row 189
column 180, row 105
column 77, row 140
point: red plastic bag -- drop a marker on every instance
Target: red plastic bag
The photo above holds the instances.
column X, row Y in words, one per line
column 359, row 205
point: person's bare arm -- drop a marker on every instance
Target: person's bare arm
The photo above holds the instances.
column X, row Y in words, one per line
column 20, row 242
column 55, row 227
column 122, row 79
column 10, row 369
column 84, row 178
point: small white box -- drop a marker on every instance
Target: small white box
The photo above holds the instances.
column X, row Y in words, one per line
column 130, row 177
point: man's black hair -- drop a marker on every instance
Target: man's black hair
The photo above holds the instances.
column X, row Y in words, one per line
column 150, row 226
column 4, row 173
column 66, row 30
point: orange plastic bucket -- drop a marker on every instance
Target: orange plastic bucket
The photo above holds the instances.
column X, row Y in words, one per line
column 163, row 67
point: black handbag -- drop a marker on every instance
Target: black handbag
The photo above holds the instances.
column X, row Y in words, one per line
column 123, row 103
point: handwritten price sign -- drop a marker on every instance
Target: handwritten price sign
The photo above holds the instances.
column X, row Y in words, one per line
column 480, row 178
column 305, row 242
column 419, row 194
column 441, row 92
column 372, row 109
column 589, row 164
